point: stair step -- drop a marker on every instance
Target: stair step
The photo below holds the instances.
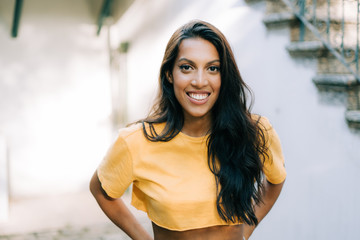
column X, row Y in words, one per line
column 335, row 80
column 306, row 49
column 353, row 118
column 278, row 19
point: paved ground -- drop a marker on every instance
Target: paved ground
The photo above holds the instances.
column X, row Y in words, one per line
column 98, row 232
column 68, row 217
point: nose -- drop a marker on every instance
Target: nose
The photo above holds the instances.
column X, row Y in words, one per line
column 200, row 79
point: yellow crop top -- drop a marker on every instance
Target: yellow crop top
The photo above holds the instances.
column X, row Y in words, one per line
column 171, row 180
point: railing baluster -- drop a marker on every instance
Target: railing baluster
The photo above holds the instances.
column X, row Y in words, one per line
column 328, row 21
column 314, row 12
column 302, row 26
column 342, row 48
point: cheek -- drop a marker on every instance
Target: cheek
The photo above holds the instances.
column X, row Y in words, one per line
column 217, row 84
column 179, row 87
column 181, row 81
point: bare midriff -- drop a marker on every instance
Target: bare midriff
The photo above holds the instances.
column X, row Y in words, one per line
column 232, row 232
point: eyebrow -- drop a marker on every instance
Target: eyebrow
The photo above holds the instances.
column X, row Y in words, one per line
column 188, row 60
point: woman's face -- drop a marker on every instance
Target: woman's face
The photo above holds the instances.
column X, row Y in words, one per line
column 196, row 78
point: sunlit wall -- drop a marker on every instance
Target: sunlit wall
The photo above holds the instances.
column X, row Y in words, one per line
column 54, row 96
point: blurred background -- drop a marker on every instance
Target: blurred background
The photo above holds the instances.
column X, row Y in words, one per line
column 73, row 72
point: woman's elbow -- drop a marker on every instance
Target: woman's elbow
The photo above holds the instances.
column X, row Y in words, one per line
column 94, row 184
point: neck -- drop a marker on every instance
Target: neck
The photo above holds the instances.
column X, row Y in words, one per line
column 196, row 127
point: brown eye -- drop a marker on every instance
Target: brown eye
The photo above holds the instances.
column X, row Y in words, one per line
column 185, row 67
column 214, row 69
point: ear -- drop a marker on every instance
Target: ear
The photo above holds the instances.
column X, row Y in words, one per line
column 169, row 77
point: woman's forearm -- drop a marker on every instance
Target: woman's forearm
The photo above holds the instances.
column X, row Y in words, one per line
column 270, row 195
column 117, row 212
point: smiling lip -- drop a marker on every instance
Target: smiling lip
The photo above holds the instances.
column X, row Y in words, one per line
column 198, row 97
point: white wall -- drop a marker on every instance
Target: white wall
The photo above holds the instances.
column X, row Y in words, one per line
column 4, row 191
column 320, row 198
column 54, row 96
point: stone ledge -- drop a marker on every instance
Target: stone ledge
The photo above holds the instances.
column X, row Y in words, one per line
column 353, row 115
column 344, row 80
column 278, row 19
column 253, row 1
column 353, row 118
column 306, row 49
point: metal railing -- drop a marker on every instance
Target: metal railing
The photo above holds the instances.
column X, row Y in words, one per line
column 333, row 22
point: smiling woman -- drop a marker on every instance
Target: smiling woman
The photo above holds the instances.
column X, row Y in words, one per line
column 198, row 161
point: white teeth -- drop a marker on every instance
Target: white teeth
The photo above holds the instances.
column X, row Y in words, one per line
column 198, row 96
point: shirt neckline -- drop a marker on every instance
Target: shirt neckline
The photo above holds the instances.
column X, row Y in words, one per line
column 194, row 139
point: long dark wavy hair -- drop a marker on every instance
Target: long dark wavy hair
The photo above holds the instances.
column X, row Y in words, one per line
column 236, row 143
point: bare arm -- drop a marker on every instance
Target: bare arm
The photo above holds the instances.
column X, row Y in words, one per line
column 117, row 211
column 270, row 195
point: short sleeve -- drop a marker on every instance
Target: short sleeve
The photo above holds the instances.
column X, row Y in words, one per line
column 274, row 165
column 115, row 172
